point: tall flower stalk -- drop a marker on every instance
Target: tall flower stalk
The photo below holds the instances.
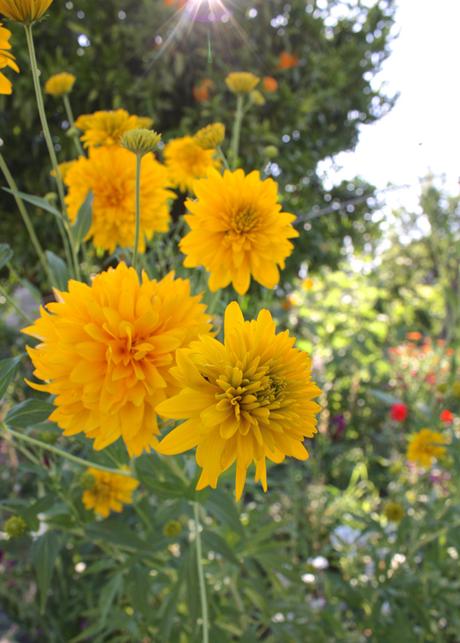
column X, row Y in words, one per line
column 64, row 225
column 201, row 580
column 71, row 119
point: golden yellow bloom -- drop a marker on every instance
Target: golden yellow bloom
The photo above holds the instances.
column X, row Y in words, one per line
column 105, row 352
column 246, row 400
column 187, row 161
column 6, row 60
column 211, row 136
column 63, row 169
column 393, row 511
column 425, row 446
column 110, row 173
column 108, row 491
column 60, row 84
column 25, row 11
column 237, row 230
column 107, row 128
column 307, row 284
column 241, row 82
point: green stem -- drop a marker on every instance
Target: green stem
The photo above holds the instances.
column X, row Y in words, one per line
column 64, row 225
column 138, row 211
column 236, row 134
column 14, row 305
column 25, row 217
column 71, row 119
column 63, row 454
column 202, row 585
column 222, row 157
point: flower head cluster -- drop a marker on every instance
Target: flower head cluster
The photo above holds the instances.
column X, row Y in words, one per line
column 140, row 141
column 60, row 84
column 237, row 230
column 107, row 491
column 211, row 136
column 425, row 446
column 187, row 161
column 24, row 11
column 241, row 82
column 107, row 127
column 247, row 400
column 6, row 60
column 105, row 352
column 110, row 174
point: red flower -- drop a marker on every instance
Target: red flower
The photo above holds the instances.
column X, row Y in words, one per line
column 398, row 412
column 446, row 416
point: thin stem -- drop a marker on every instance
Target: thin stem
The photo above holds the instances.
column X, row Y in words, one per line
column 199, row 562
column 63, row 454
column 138, row 210
column 25, row 217
column 14, row 305
column 69, row 246
column 71, row 119
column 236, row 134
column 222, row 157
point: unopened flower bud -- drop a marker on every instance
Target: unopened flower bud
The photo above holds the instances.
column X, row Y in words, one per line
column 15, row 527
column 140, row 141
column 257, row 98
column 211, row 136
column 172, row 528
column 241, row 82
column 271, row 151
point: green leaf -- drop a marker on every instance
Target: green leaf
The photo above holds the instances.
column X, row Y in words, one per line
column 44, row 554
column 221, row 505
column 108, row 595
column 58, row 269
column 84, row 218
column 140, row 589
column 29, row 412
column 38, row 201
column 216, row 543
column 384, row 397
column 8, row 369
column 6, row 254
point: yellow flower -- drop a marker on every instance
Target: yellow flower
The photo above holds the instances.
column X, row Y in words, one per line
column 307, row 284
column 110, row 173
column 257, row 98
column 187, row 161
column 108, row 492
column 107, row 128
column 211, row 136
column 246, row 400
column 237, row 230
column 60, row 84
column 393, row 511
column 6, row 60
column 241, row 82
column 105, row 352
column 25, row 11
column 424, row 447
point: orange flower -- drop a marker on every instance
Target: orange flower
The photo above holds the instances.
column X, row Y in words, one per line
column 446, row 416
column 414, row 336
column 201, row 91
column 270, row 84
column 287, row 60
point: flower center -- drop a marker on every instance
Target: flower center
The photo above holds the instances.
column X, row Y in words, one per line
column 244, row 220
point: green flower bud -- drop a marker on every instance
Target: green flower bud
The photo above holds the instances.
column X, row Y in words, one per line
column 172, row 528
column 15, row 527
column 271, row 151
column 140, row 141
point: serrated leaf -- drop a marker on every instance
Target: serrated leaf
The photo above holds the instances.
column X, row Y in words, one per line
column 28, row 413
column 44, row 554
column 84, row 218
column 6, row 254
column 58, row 269
column 8, row 369
column 38, row 201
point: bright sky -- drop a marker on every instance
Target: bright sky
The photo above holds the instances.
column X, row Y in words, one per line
column 422, row 132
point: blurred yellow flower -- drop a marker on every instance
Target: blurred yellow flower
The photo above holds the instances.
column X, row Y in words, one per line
column 110, row 173
column 107, row 127
column 105, row 352
column 393, row 511
column 241, row 82
column 425, row 446
column 246, row 400
column 211, row 136
column 60, row 84
column 108, row 491
column 237, row 230
column 257, row 98
column 63, row 169
column 187, row 161
column 307, row 284
column 6, row 60
column 25, row 11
